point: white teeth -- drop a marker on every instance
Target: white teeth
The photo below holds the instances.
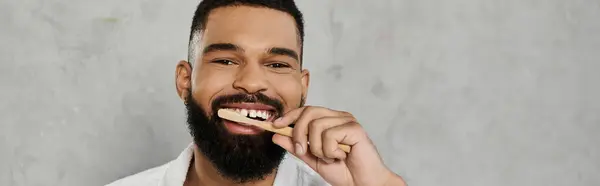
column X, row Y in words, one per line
column 264, row 115
column 253, row 113
column 260, row 114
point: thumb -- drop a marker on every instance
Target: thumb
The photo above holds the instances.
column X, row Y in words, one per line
column 287, row 144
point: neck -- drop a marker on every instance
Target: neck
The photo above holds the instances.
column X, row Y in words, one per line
column 202, row 172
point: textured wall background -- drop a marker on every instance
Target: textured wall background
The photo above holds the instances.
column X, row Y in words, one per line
column 462, row 92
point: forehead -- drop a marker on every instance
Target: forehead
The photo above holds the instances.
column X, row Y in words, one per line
column 251, row 28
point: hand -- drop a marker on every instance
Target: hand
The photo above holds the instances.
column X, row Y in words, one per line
column 324, row 129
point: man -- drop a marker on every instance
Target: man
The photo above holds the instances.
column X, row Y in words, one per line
column 246, row 55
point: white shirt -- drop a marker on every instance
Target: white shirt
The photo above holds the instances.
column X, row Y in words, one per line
column 292, row 172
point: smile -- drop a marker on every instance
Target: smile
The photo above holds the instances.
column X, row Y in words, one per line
column 254, row 114
column 255, row 111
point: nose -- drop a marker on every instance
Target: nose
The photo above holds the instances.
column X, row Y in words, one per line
column 250, row 79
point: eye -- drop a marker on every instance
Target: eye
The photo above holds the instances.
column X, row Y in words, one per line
column 278, row 65
column 224, row 61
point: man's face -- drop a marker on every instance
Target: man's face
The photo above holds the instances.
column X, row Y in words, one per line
column 247, row 59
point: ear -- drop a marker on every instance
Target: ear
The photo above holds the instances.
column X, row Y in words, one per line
column 183, row 79
column 305, row 81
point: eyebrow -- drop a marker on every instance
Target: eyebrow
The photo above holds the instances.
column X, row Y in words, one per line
column 283, row 51
column 232, row 47
column 222, row 46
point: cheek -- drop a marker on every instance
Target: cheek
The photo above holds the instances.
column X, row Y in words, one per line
column 207, row 86
column 289, row 89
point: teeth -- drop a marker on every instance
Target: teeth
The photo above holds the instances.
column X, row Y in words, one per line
column 264, row 115
column 260, row 114
column 254, row 113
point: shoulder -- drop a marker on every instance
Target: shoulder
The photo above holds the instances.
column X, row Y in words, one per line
column 148, row 177
column 171, row 173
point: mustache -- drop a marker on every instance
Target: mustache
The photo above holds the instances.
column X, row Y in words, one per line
column 247, row 98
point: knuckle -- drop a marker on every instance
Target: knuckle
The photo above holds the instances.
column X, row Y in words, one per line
column 329, row 152
column 354, row 125
column 316, row 125
column 346, row 113
column 329, row 146
column 309, row 110
column 350, row 119
column 328, row 133
column 357, row 128
column 316, row 149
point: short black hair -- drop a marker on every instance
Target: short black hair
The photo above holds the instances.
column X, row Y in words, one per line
column 206, row 6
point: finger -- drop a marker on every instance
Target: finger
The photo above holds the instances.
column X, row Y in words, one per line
column 288, row 118
column 287, row 144
column 316, row 128
column 294, row 115
column 300, row 132
column 350, row 134
column 284, row 142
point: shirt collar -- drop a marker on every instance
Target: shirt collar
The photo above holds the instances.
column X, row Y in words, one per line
column 176, row 171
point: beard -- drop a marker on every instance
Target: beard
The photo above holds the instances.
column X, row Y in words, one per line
column 238, row 158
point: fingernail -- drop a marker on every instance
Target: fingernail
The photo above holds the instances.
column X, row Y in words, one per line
column 299, row 149
column 277, row 121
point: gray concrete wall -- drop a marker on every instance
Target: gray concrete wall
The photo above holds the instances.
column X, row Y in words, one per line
column 454, row 93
